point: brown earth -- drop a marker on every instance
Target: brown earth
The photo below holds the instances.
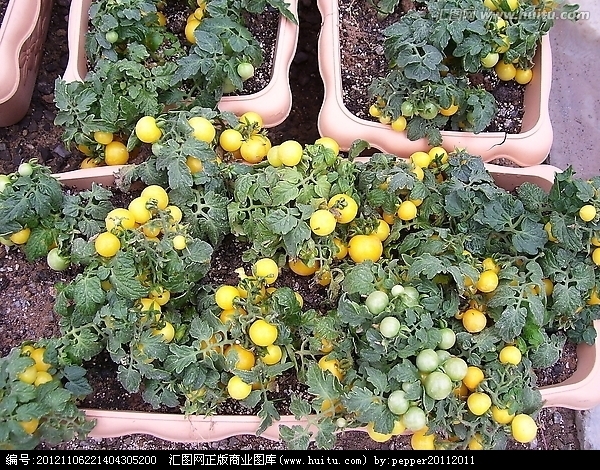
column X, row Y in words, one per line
column 26, row 290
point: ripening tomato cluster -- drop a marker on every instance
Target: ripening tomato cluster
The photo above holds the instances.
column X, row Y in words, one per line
column 37, row 373
column 108, row 149
column 247, row 141
column 148, row 218
column 252, row 333
column 340, row 211
column 441, row 374
column 149, row 213
column 253, row 330
column 193, row 20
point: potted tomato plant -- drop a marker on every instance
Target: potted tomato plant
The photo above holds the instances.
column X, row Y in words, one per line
column 22, row 34
column 436, row 79
column 576, row 393
column 212, row 58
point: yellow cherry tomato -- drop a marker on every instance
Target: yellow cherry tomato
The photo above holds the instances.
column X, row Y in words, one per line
column 262, row 333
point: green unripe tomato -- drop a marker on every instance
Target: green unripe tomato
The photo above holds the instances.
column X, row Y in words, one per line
column 112, row 36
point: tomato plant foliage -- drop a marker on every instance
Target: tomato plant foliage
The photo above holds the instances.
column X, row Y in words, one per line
column 53, row 404
column 436, row 47
column 343, row 352
column 148, row 67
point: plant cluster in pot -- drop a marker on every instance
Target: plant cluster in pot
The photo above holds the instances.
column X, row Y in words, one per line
column 447, row 282
column 439, row 63
column 133, row 59
column 22, row 33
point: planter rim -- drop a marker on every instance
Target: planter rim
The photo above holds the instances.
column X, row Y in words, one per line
column 579, row 392
column 181, row 428
column 274, row 102
column 530, row 147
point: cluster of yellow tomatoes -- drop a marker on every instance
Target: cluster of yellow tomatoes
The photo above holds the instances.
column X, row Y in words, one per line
column 139, row 214
column 343, row 208
column 112, row 149
column 193, row 20
column 523, row 426
column 505, row 71
column 36, row 374
column 247, row 141
column 152, row 308
column 261, row 332
column 588, row 213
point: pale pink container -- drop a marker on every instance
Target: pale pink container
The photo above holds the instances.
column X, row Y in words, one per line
column 22, row 34
column 530, row 147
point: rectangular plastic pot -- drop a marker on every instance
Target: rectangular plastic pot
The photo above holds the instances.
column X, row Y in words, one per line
column 273, row 102
column 530, row 147
column 22, row 35
column 579, row 392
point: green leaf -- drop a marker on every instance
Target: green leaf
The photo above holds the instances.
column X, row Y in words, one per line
column 531, row 237
column 566, row 299
column 532, row 196
column 109, row 109
column 282, row 221
column 268, row 414
column 359, row 399
column 359, row 279
column 510, row 323
column 284, row 192
column 378, row 379
column 295, row 437
column 404, row 371
column 548, row 353
column 130, row 378
column 180, row 357
column 426, row 265
column 124, row 277
column 88, row 295
column 296, row 238
column 85, row 345
column 472, row 45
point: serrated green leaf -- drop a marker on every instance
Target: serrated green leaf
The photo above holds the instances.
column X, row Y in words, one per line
column 281, row 221
column 130, row 378
column 296, row 437
column 511, row 322
column 124, row 277
column 359, row 279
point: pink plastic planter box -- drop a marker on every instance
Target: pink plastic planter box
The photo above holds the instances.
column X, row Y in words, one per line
column 579, row 392
column 22, row 35
column 273, row 102
column 530, row 147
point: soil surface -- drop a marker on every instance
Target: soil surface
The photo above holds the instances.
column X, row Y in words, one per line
column 27, row 290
